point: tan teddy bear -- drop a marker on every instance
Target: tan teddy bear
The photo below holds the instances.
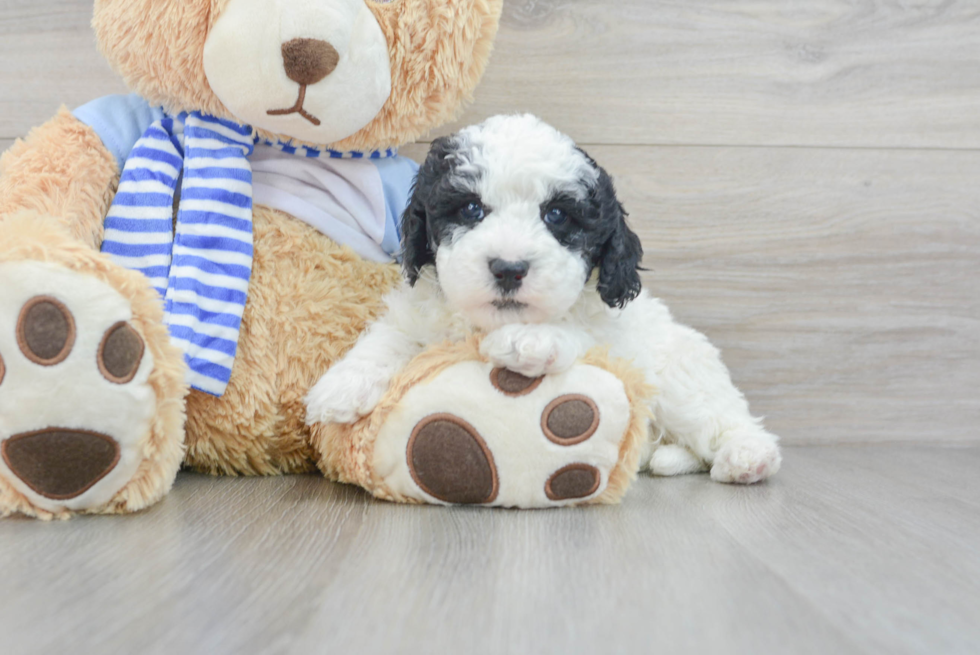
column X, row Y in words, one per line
column 178, row 267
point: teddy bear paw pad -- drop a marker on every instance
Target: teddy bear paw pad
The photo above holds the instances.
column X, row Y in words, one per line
column 60, row 464
column 75, row 401
column 451, row 462
column 574, row 481
column 474, row 434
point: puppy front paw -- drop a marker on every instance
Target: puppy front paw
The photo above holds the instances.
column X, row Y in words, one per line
column 348, row 391
column 531, row 350
column 746, row 460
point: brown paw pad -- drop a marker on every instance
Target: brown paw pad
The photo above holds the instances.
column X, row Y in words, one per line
column 45, row 331
column 450, row 461
column 120, row 353
column 569, row 420
column 60, row 464
column 513, row 384
column 573, row 481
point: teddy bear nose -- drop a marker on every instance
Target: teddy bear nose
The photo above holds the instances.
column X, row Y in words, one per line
column 307, row 61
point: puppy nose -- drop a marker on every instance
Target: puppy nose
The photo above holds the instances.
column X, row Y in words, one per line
column 307, row 61
column 509, row 275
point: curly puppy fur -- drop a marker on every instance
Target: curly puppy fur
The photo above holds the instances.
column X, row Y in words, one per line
column 515, row 232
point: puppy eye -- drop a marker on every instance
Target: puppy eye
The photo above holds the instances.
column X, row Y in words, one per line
column 555, row 216
column 473, row 211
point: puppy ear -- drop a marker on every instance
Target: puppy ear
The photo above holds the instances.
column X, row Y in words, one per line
column 417, row 249
column 620, row 256
column 415, row 237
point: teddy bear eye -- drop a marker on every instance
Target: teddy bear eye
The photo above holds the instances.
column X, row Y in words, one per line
column 473, row 211
column 555, row 216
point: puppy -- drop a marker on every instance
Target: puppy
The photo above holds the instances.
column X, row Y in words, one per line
column 515, row 232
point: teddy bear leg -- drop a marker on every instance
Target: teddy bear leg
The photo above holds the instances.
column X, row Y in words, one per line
column 91, row 390
column 475, row 434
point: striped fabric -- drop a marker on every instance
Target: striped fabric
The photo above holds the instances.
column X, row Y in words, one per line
column 202, row 268
column 317, row 153
column 202, row 264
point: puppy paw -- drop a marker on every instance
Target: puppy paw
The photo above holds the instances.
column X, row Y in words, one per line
column 348, row 391
column 746, row 460
column 531, row 350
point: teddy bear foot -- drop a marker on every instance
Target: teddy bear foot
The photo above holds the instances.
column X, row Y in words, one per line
column 77, row 406
column 480, row 435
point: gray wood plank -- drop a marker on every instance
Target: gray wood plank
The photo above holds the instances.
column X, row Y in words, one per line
column 42, row 69
column 844, row 552
column 622, row 580
column 839, row 284
column 841, row 530
column 23, row 16
column 715, row 72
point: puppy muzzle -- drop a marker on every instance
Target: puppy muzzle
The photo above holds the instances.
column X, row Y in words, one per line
column 509, row 275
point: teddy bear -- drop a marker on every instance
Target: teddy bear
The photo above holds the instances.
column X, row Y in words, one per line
column 179, row 266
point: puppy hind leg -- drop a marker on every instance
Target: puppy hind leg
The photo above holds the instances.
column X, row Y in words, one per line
column 674, row 459
column 704, row 412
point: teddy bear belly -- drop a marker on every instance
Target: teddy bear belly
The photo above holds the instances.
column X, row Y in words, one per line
column 309, row 299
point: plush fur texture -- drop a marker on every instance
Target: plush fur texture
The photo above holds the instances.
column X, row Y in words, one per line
column 309, row 298
column 438, row 50
column 24, row 238
column 515, row 190
column 347, row 450
column 61, row 173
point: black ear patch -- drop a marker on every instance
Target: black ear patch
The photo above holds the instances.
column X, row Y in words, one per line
column 417, row 248
column 415, row 238
column 621, row 252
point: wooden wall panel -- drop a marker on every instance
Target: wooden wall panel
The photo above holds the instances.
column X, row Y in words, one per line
column 715, row 72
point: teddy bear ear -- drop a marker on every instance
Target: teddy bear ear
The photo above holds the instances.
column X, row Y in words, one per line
column 439, row 50
column 156, row 46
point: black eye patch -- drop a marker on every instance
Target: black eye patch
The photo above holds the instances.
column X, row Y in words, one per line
column 580, row 230
column 450, row 208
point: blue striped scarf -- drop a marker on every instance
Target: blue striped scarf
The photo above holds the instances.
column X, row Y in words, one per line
column 202, row 268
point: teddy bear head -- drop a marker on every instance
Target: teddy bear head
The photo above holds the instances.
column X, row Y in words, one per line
column 345, row 74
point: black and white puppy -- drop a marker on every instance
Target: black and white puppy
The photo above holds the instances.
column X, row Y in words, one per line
column 515, row 232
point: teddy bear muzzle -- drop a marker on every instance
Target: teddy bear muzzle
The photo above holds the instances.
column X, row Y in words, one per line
column 314, row 71
column 306, row 61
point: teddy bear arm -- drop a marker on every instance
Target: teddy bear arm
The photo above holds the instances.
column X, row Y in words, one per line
column 61, row 171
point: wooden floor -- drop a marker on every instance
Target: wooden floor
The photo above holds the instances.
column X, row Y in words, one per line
column 848, row 550
column 805, row 175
